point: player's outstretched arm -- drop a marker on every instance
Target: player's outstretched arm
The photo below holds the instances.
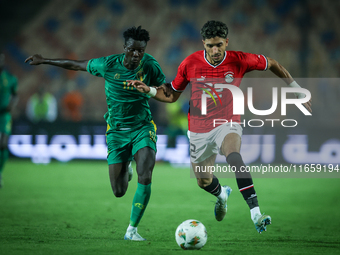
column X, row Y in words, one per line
column 76, row 65
column 163, row 93
column 279, row 70
column 282, row 72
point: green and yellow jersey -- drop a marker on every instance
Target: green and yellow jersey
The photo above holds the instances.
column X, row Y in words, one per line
column 8, row 88
column 127, row 107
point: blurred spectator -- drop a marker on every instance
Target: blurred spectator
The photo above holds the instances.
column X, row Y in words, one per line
column 178, row 121
column 42, row 106
column 72, row 103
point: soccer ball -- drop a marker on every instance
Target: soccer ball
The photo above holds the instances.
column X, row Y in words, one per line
column 191, row 235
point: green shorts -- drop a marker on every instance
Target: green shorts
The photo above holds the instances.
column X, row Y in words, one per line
column 123, row 144
column 5, row 123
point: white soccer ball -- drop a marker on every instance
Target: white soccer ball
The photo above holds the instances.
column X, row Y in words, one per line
column 191, row 235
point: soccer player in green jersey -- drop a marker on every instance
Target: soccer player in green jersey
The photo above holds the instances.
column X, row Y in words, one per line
column 8, row 94
column 131, row 132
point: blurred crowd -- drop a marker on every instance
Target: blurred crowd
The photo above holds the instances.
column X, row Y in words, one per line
column 301, row 34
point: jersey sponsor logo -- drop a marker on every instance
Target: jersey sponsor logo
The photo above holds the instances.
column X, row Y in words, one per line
column 229, row 77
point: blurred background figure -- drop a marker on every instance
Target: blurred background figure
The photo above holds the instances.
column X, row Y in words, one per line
column 72, row 103
column 42, row 107
column 177, row 115
column 8, row 94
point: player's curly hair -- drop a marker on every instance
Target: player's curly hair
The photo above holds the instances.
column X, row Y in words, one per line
column 214, row 28
column 137, row 34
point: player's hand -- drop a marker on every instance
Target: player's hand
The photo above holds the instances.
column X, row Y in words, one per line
column 35, row 59
column 139, row 85
column 307, row 105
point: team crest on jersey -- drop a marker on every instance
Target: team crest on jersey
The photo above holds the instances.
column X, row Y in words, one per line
column 117, row 76
column 229, row 77
column 140, row 75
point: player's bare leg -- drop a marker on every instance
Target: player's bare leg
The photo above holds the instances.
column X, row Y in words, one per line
column 3, row 153
column 210, row 183
column 231, row 146
column 119, row 178
column 204, row 179
column 145, row 162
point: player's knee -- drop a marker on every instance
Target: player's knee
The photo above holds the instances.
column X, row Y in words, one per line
column 234, row 159
column 145, row 176
column 118, row 191
column 145, row 180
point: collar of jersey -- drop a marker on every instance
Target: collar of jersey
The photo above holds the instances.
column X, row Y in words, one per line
column 225, row 56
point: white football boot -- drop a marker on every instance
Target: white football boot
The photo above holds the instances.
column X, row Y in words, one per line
column 133, row 235
column 261, row 221
column 221, row 205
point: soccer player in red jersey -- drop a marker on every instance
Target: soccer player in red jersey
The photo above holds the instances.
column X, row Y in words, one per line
column 201, row 69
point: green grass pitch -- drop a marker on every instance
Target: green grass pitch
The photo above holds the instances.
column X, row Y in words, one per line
column 69, row 208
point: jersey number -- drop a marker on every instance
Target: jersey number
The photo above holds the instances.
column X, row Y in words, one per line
column 127, row 86
column 192, row 149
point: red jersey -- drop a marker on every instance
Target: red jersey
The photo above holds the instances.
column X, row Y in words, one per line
column 203, row 76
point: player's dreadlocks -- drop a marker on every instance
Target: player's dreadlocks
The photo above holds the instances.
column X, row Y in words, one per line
column 137, row 34
column 214, row 28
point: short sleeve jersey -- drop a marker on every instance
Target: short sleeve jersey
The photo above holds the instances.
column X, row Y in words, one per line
column 196, row 69
column 127, row 108
column 8, row 87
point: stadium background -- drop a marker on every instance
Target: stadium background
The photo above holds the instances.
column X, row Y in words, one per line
column 68, row 208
